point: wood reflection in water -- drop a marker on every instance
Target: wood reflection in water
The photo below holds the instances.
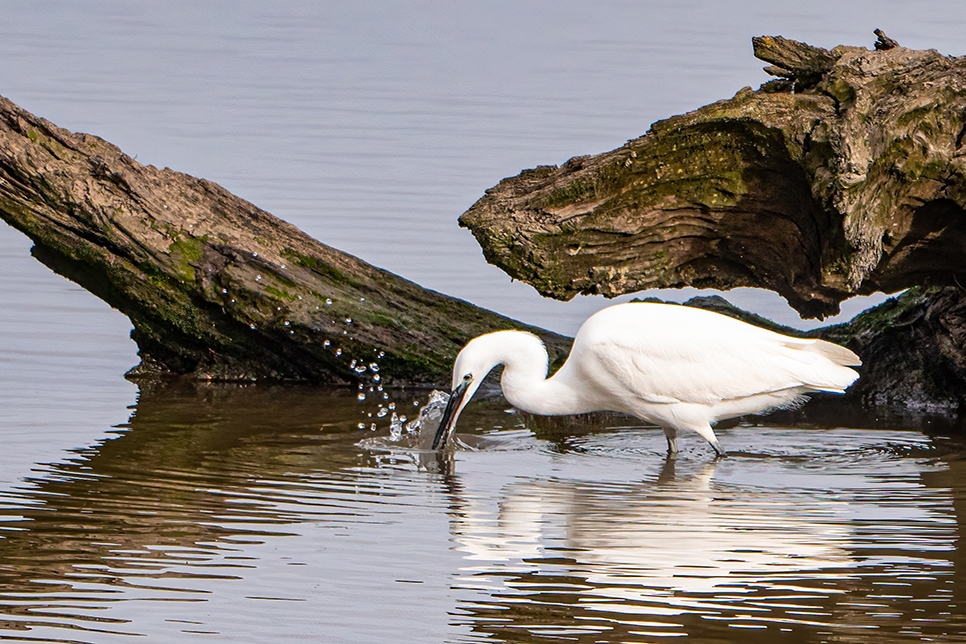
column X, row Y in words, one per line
column 257, row 513
column 184, row 505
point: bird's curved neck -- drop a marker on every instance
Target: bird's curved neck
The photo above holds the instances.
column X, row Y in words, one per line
column 526, row 386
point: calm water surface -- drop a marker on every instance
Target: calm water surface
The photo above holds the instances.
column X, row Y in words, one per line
column 265, row 515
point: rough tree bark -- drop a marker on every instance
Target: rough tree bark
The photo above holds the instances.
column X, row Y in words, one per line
column 214, row 286
column 843, row 176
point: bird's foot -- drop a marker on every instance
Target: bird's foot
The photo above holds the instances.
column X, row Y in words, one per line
column 719, row 451
column 672, row 447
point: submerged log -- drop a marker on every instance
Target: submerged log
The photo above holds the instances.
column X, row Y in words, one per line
column 914, row 350
column 214, row 286
column 845, row 176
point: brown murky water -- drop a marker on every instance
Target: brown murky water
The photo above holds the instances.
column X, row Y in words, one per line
column 253, row 514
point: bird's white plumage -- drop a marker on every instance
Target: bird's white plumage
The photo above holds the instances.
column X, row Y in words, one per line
column 676, row 366
column 670, row 353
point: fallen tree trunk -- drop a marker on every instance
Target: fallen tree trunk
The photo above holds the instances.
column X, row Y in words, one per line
column 845, row 176
column 214, row 286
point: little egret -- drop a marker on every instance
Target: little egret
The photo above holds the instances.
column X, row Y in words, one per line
column 678, row 367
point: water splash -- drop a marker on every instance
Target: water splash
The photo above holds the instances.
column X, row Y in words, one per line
column 396, row 427
column 430, row 413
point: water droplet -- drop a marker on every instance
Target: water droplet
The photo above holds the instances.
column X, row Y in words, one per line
column 392, row 406
column 361, row 386
column 362, row 299
column 338, row 352
column 382, row 412
column 292, row 332
column 300, row 297
column 376, row 378
column 325, row 345
column 348, row 320
column 353, row 364
column 252, row 327
column 373, row 367
column 328, row 302
column 361, row 396
column 279, row 308
column 361, row 425
column 381, row 354
column 287, row 323
column 345, row 333
column 224, row 291
column 254, row 254
column 233, row 301
column 283, row 267
column 385, row 396
column 258, row 278
column 360, row 369
column 372, row 427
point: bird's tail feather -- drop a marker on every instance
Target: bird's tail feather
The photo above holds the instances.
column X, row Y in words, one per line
column 834, row 352
column 823, row 366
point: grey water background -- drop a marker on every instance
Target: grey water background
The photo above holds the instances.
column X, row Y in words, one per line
column 246, row 515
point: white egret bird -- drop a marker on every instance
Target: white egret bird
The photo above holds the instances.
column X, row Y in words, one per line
column 678, row 367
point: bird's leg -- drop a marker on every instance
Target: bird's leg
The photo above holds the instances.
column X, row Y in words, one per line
column 672, row 440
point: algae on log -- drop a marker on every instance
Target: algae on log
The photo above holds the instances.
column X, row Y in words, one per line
column 914, row 351
column 214, row 286
column 844, row 176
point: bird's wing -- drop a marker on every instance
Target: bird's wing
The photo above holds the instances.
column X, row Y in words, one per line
column 707, row 360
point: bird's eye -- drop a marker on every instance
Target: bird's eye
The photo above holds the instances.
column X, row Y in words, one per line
column 468, row 376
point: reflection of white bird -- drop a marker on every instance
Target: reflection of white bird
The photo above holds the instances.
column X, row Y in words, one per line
column 637, row 541
column 675, row 366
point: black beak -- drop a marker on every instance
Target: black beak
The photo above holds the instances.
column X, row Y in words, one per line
column 448, row 422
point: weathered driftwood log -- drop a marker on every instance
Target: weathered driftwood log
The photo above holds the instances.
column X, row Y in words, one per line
column 214, row 286
column 844, row 176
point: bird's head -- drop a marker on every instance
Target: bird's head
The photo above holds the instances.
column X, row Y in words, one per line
column 473, row 363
